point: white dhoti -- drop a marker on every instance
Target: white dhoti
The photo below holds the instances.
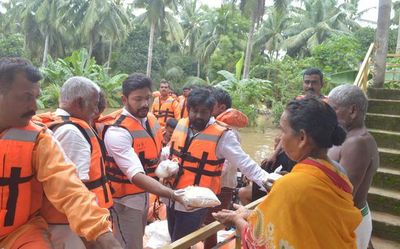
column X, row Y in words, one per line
column 364, row 230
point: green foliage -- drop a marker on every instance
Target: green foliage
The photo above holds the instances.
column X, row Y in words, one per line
column 78, row 64
column 340, row 53
column 132, row 56
column 248, row 95
column 365, row 36
column 11, row 45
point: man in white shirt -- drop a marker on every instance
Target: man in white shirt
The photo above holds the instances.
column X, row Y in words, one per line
column 79, row 99
column 133, row 144
column 202, row 145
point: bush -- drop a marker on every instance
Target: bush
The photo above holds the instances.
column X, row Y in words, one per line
column 78, row 64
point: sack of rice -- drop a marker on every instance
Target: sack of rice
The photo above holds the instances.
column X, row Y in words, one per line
column 167, row 168
column 198, row 197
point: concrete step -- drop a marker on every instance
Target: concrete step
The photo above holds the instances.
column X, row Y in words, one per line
column 389, row 158
column 387, row 178
column 384, row 200
column 386, row 226
column 384, row 106
column 382, row 93
column 383, row 122
column 386, row 139
column 379, row 243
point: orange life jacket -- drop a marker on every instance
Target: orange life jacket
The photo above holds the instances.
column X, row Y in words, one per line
column 198, row 162
column 321, row 97
column 234, row 118
column 147, row 145
column 98, row 182
column 21, row 193
column 163, row 111
column 183, row 105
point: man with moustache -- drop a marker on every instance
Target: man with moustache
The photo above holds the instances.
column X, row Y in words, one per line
column 133, row 144
column 202, row 144
column 165, row 106
column 34, row 164
column 359, row 152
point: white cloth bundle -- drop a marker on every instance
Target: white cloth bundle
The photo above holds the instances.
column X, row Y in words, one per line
column 157, row 234
column 167, row 168
column 198, row 197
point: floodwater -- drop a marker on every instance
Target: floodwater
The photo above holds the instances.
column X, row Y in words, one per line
column 258, row 141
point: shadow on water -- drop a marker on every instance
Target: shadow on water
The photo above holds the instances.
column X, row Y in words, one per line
column 258, row 141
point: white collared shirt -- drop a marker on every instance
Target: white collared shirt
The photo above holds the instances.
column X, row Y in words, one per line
column 75, row 146
column 118, row 142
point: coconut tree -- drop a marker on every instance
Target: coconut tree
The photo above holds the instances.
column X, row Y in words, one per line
column 255, row 9
column 271, row 36
column 381, row 42
column 159, row 14
column 318, row 20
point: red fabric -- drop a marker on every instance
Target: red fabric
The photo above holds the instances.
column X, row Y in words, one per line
column 337, row 180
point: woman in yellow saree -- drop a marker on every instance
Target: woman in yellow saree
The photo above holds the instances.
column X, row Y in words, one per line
column 312, row 206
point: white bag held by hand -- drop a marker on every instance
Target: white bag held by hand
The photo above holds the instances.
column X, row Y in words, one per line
column 167, row 168
column 198, row 197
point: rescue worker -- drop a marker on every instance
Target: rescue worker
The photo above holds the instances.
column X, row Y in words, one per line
column 34, row 164
column 79, row 99
column 165, row 106
column 183, row 101
column 133, row 144
column 233, row 119
column 201, row 145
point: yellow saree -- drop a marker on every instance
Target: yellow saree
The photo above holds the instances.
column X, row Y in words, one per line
column 311, row 207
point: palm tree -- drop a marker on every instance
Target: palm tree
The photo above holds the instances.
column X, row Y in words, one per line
column 256, row 9
column 96, row 18
column 381, row 42
column 271, row 34
column 191, row 15
column 159, row 13
column 318, row 20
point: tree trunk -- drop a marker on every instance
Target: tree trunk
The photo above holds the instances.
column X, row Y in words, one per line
column 90, row 49
column 46, row 49
column 381, row 42
column 198, row 68
column 398, row 39
column 109, row 54
column 249, row 46
column 150, row 51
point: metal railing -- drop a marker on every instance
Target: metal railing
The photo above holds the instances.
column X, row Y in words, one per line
column 206, row 231
column 362, row 76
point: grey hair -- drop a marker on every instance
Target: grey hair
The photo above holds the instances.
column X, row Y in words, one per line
column 346, row 95
column 77, row 87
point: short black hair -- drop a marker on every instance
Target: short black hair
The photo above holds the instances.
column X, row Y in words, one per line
column 134, row 82
column 171, row 122
column 11, row 66
column 313, row 70
column 164, row 81
column 222, row 97
column 317, row 119
column 201, row 96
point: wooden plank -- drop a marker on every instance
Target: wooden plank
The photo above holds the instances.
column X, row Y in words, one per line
column 393, row 55
column 204, row 232
column 360, row 79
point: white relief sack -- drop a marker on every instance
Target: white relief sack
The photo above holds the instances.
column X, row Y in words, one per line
column 198, row 197
column 167, row 168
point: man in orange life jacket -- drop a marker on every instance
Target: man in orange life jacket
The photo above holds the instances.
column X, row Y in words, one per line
column 201, row 145
column 33, row 163
column 133, row 143
column 183, row 101
column 79, row 98
column 165, row 106
column 234, row 119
